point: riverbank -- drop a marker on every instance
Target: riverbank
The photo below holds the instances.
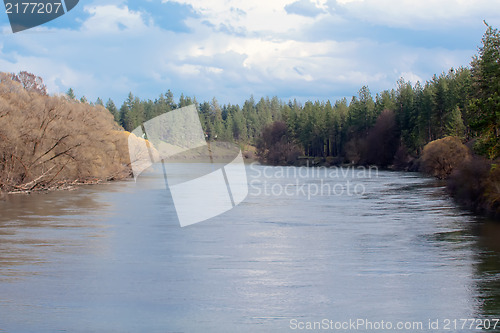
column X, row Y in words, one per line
column 471, row 180
column 53, row 142
column 475, row 185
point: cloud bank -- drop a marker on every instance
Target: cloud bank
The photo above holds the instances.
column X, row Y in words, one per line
column 305, row 49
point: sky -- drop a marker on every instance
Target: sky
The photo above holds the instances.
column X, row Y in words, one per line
column 232, row 49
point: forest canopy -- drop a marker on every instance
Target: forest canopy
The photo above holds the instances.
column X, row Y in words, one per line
column 49, row 139
column 390, row 128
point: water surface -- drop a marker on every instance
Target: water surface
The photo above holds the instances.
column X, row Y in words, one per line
column 112, row 258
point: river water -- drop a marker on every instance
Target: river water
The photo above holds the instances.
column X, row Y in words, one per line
column 322, row 250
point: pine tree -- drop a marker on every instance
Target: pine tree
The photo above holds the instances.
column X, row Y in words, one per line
column 362, row 112
column 216, row 119
column 169, row 96
column 454, row 125
column 406, row 114
column 110, row 105
column 486, row 91
column 126, row 119
column 71, row 94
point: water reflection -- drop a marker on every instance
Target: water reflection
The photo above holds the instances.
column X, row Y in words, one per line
column 483, row 237
column 34, row 227
column 114, row 259
column 488, row 268
column 35, row 210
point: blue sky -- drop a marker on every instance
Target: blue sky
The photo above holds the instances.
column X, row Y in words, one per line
column 231, row 49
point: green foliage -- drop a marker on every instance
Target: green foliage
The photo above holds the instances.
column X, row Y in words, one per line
column 406, row 113
column 362, row 112
column 391, row 128
column 486, row 91
column 413, row 116
column 454, row 124
column 386, row 100
column 462, row 102
column 110, row 105
column 70, row 93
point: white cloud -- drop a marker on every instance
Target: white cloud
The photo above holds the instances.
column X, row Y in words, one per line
column 422, row 14
column 56, row 76
column 304, row 8
column 264, row 17
column 118, row 50
column 111, row 18
column 411, row 77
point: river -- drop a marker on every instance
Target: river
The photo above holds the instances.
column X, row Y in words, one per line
column 319, row 250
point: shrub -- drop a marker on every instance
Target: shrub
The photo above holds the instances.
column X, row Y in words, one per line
column 275, row 146
column 382, row 140
column 47, row 140
column 467, row 183
column 355, row 149
column 475, row 184
column 440, row 157
column 492, row 191
column 404, row 161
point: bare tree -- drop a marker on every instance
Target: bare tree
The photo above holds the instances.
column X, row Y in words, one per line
column 49, row 141
column 30, row 82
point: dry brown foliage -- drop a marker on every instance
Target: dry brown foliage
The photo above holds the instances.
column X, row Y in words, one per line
column 492, row 192
column 48, row 141
column 382, row 140
column 275, row 146
column 30, row 82
column 440, row 157
column 475, row 184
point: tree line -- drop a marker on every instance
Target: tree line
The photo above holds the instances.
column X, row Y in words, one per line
column 52, row 138
column 388, row 128
column 405, row 118
column 366, row 129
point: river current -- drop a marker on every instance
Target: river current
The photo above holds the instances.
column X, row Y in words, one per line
column 314, row 250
